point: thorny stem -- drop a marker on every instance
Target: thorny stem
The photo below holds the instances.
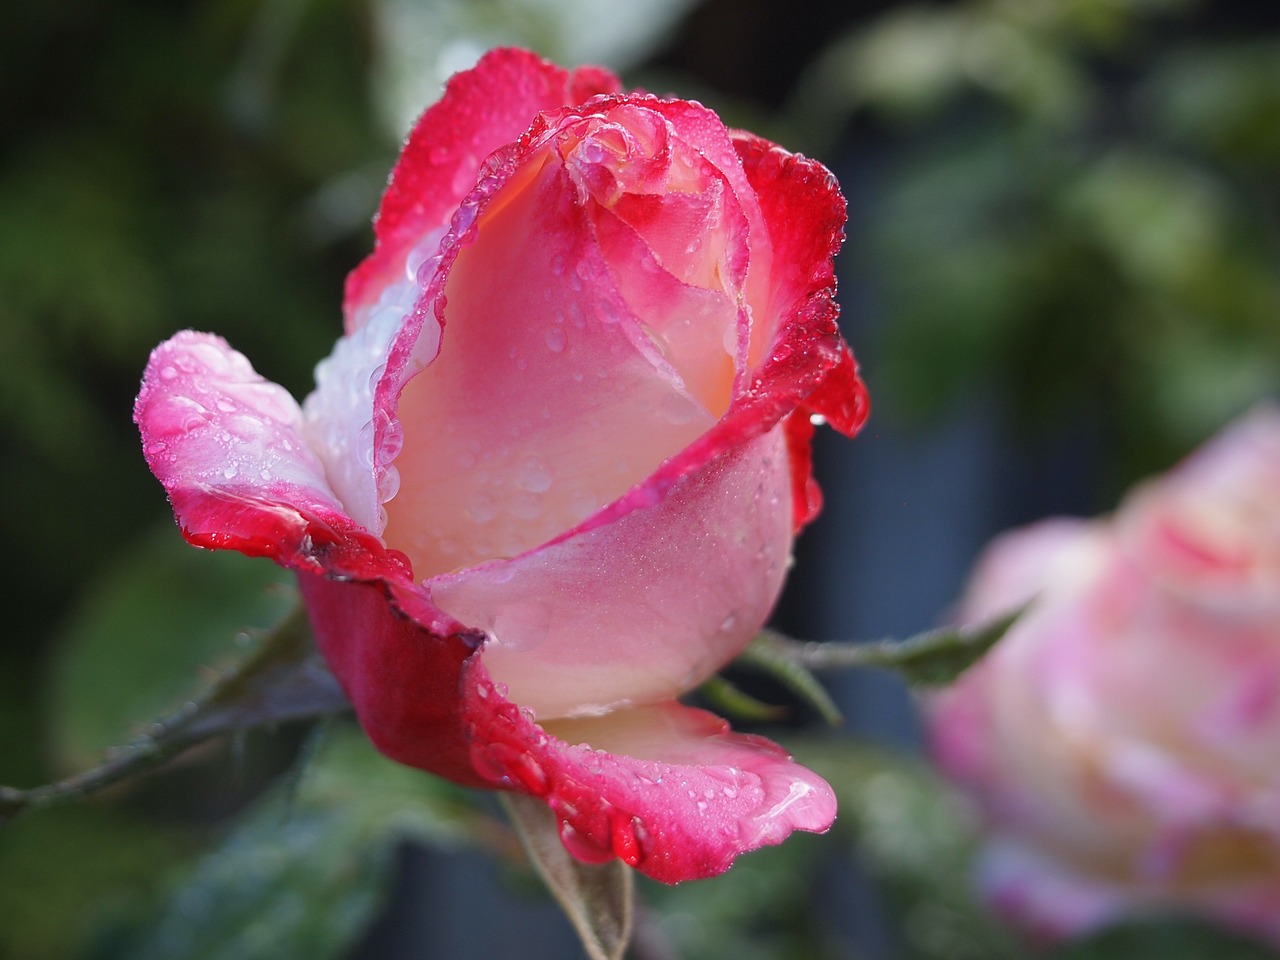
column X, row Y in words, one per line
column 284, row 679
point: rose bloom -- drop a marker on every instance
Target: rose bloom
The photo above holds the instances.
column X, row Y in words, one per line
column 549, row 477
column 1123, row 739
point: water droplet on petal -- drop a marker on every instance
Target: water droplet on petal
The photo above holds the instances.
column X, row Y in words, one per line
column 482, row 507
column 535, row 476
column 392, row 441
column 556, row 340
column 526, row 506
column 389, row 485
column 731, row 340
column 582, row 847
column 168, row 373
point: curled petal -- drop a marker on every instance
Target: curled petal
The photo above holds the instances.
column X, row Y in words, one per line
column 482, row 109
column 665, row 788
column 229, row 448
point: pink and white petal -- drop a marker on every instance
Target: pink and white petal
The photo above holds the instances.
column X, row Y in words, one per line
column 694, row 328
column 1042, row 896
column 229, row 448
column 339, row 415
column 666, row 788
column 535, row 329
column 641, row 605
column 482, row 109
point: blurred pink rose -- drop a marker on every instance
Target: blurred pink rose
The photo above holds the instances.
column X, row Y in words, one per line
column 1123, row 740
column 549, row 477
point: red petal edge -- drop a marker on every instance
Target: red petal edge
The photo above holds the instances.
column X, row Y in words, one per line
column 671, row 821
column 482, row 109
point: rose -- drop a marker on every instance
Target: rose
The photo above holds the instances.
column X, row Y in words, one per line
column 549, row 477
column 1123, row 739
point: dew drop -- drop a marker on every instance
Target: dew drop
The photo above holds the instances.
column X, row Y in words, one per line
column 817, row 419
column 168, row 373
column 389, row 485
column 225, row 405
column 364, row 446
column 556, row 340
column 392, row 441
column 676, row 409
column 488, row 765
column 626, row 843
column 534, row 476
column 482, row 508
column 581, row 847
column 230, row 471
column 526, row 506
column 731, row 340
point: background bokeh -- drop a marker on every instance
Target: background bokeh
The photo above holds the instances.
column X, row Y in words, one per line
column 1062, row 273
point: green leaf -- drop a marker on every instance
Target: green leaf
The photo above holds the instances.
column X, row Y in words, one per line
column 303, row 877
column 597, row 898
column 1168, row 938
column 283, row 679
column 926, row 659
column 773, row 654
column 729, row 699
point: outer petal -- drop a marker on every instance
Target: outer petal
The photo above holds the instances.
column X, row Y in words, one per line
column 229, row 449
column 803, row 361
column 665, row 788
column 481, row 110
column 643, row 608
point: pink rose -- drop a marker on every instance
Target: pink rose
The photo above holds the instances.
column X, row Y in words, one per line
column 549, row 478
column 1123, row 739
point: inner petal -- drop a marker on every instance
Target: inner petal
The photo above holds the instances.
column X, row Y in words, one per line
column 547, row 400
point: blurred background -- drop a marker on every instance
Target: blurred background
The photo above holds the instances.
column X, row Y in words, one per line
column 1062, row 273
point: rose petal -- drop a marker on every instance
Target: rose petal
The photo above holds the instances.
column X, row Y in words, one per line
column 667, row 788
column 229, row 448
column 481, row 110
column 690, row 573
column 510, row 434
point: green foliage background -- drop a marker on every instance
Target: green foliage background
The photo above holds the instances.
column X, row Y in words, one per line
column 1076, row 211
